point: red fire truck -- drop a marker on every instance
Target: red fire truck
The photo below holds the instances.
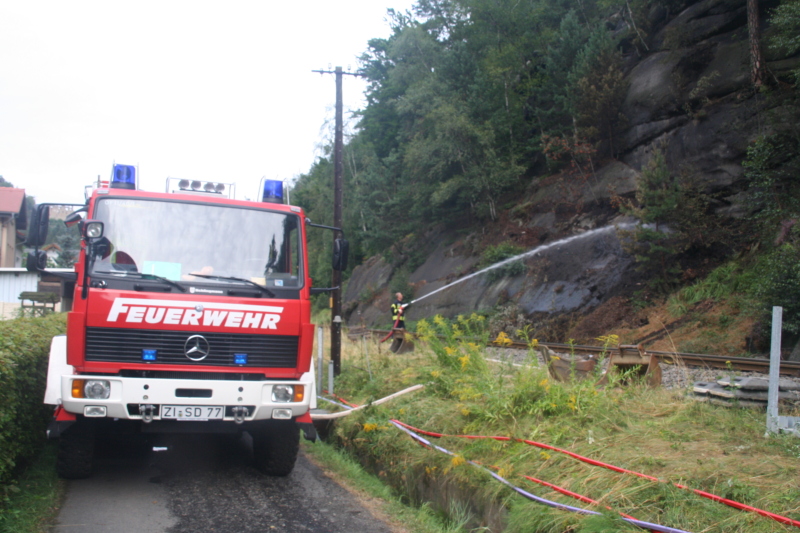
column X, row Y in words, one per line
column 190, row 313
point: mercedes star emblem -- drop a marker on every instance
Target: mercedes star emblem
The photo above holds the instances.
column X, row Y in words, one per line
column 196, row 348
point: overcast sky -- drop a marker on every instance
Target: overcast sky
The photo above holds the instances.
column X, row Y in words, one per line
column 188, row 89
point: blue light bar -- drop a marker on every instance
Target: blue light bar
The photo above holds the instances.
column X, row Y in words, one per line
column 240, row 358
column 123, row 177
column 149, row 355
column 273, row 192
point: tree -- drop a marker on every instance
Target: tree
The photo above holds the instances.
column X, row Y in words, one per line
column 757, row 66
column 658, row 239
column 785, row 22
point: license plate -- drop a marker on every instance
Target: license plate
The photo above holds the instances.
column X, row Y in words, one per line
column 192, row 412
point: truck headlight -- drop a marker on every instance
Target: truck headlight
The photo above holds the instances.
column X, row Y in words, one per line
column 282, row 393
column 97, row 389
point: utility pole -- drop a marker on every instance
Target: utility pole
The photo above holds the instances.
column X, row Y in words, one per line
column 336, row 307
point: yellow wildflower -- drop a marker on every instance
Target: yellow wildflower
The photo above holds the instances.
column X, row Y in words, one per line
column 544, row 455
column 435, row 374
column 502, row 339
column 609, row 340
column 449, row 350
column 458, row 460
column 544, row 383
column 370, row 427
column 464, row 361
column 465, row 411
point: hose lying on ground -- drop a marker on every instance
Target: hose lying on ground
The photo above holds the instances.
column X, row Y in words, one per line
column 331, row 416
column 639, row 523
column 704, row 494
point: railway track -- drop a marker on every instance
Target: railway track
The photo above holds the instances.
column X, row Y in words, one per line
column 742, row 364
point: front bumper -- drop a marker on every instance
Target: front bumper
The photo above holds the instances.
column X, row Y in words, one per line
column 128, row 395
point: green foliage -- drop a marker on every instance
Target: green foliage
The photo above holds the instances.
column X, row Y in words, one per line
column 658, row 196
column 785, row 36
column 499, row 252
column 24, row 351
column 598, row 88
column 721, row 283
column 772, row 167
column 674, row 217
column 34, row 504
column 459, row 101
column 779, row 284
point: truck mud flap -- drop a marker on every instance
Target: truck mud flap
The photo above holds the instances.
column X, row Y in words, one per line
column 56, row 427
column 309, row 431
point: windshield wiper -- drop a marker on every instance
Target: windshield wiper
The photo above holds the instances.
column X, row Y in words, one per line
column 142, row 275
column 231, row 278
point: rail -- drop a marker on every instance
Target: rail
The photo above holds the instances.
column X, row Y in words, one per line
column 741, row 364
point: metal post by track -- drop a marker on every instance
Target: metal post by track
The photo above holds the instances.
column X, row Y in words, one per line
column 775, row 422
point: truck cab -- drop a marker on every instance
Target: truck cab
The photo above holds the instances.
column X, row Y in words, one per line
column 191, row 314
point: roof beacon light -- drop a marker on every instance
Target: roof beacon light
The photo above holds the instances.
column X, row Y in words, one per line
column 123, row 177
column 273, row 192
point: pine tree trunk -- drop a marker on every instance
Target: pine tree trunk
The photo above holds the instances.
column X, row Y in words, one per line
column 756, row 58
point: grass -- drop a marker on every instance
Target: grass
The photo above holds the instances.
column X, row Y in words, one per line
column 421, row 519
column 33, row 507
column 658, row 432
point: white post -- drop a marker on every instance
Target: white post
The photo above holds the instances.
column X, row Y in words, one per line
column 330, row 378
column 774, row 370
column 366, row 354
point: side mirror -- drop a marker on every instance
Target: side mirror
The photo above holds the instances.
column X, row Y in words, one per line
column 36, row 262
column 341, row 249
column 40, row 223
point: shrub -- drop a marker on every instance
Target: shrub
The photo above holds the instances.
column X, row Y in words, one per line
column 24, row 351
column 495, row 254
column 779, row 284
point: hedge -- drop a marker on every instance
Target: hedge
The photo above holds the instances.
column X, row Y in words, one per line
column 24, row 351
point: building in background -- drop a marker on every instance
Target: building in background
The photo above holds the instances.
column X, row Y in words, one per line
column 13, row 220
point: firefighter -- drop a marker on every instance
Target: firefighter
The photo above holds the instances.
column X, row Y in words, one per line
column 397, row 312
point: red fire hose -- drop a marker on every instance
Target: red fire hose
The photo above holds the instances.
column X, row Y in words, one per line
column 391, row 331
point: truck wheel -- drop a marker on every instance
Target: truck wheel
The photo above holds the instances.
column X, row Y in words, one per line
column 75, row 452
column 275, row 447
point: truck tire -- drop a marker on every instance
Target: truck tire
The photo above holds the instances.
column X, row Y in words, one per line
column 75, row 452
column 275, row 447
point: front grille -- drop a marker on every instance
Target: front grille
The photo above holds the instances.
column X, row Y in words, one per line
column 172, row 374
column 117, row 345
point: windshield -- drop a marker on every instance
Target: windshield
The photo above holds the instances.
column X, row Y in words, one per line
column 174, row 240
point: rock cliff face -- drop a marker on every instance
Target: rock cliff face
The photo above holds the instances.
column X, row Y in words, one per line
column 689, row 96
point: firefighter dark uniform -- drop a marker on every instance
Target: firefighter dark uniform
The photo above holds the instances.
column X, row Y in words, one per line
column 397, row 314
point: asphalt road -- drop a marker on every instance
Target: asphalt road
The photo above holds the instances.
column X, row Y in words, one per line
column 205, row 484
